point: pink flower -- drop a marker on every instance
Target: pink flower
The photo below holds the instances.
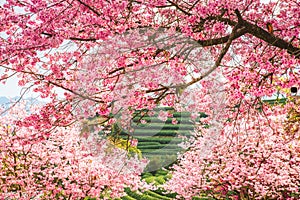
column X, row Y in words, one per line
column 163, row 115
column 174, row 121
column 134, row 142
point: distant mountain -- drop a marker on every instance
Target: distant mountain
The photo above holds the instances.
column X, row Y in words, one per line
column 6, row 102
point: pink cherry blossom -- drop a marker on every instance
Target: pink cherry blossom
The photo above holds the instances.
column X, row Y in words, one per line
column 119, row 58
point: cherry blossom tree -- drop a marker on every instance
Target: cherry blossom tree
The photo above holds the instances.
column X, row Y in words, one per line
column 115, row 58
column 256, row 156
column 63, row 165
column 46, row 44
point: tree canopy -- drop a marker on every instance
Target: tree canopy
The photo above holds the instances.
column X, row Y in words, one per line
column 221, row 58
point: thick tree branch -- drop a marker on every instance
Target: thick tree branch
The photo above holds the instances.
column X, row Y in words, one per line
column 252, row 29
column 222, row 40
column 271, row 39
column 221, row 56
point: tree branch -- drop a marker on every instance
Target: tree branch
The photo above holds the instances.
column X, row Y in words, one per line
column 271, row 39
column 177, row 7
column 72, row 38
column 232, row 36
column 257, row 32
column 76, row 93
column 83, row 39
column 222, row 40
column 252, row 29
column 90, row 8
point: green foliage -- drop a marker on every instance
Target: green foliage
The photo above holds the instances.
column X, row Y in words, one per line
column 127, row 198
column 147, row 143
column 180, row 120
column 182, row 117
column 159, row 161
column 161, row 146
column 163, row 192
column 160, row 177
column 158, row 196
column 168, row 133
column 161, row 151
column 124, row 144
column 150, row 179
column 158, row 141
column 147, row 197
column 89, row 198
column 158, row 146
column 162, row 172
column 135, row 195
column 203, row 198
column 157, row 178
column 164, row 126
column 276, row 101
column 162, row 140
column 160, row 180
column 147, row 174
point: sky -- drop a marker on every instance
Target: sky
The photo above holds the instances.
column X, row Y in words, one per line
column 10, row 89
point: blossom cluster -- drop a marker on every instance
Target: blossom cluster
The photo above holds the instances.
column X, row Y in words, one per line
column 253, row 157
column 62, row 165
